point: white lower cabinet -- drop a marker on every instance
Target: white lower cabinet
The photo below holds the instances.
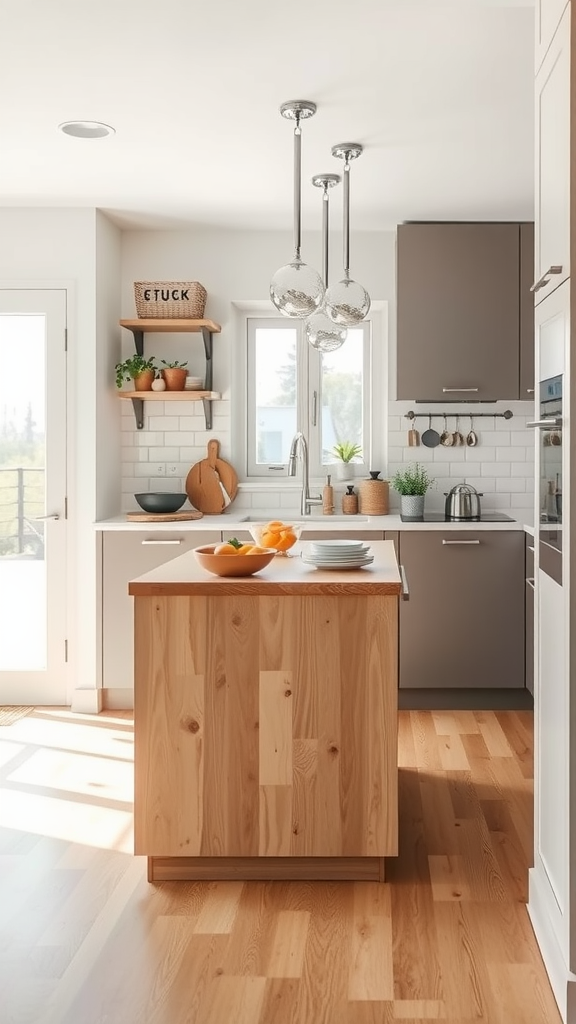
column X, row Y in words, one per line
column 124, row 556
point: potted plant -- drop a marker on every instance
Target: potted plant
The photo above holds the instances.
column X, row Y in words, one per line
column 142, row 371
column 345, row 452
column 412, row 484
column 174, row 374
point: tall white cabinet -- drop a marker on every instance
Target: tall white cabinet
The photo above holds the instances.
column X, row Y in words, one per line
column 552, row 892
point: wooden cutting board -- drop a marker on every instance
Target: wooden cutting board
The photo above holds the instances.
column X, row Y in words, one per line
column 162, row 517
column 207, row 479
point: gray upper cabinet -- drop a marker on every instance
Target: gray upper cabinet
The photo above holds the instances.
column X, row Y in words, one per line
column 463, row 625
column 458, row 291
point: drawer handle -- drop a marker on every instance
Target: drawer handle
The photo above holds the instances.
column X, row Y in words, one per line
column 530, row 581
column 460, row 541
column 529, row 391
column 545, row 279
column 152, row 541
column 531, row 548
column 448, row 391
column 405, row 588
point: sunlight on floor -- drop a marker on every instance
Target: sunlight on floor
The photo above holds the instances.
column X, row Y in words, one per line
column 73, row 781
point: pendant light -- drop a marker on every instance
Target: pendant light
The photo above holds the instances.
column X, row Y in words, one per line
column 297, row 290
column 322, row 333
column 347, row 302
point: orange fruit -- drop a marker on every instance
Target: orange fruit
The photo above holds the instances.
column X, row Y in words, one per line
column 244, row 549
column 224, row 549
column 274, row 524
column 286, row 540
column 270, row 538
column 257, row 550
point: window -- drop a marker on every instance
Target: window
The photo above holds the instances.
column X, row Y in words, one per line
column 290, row 386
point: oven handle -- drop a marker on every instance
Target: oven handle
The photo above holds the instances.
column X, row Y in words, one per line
column 555, row 422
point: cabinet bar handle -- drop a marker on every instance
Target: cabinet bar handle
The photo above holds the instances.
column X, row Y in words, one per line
column 152, row 541
column 460, row 541
column 405, row 588
column 314, row 407
column 544, row 280
column 529, row 391
column 530, row 581
column 554, row 421
column 448, row 391
column 531, row 548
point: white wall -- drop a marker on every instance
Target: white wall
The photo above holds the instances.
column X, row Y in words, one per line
column 237, row 267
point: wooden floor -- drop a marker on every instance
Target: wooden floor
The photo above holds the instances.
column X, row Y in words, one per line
column 84, row 939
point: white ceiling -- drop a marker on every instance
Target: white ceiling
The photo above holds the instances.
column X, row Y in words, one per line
column 440, row 95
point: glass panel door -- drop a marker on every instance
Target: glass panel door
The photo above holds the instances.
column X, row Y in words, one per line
column 32, row 497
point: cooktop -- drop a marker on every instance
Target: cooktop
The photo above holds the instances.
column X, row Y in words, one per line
column 441, row 517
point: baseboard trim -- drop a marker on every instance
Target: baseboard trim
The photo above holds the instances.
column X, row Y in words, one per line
column 87, row 702
column 495, row 699
column 562, row 981
column 363, row 869
column 118, row 698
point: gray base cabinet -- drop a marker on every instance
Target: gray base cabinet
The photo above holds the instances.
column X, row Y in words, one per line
column 463, row 625
column 124, row 556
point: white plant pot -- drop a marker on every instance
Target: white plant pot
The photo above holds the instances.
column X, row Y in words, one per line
column 342, row 470
column 412, row 505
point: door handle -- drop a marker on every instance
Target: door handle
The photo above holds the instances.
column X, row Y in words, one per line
column 545, row 279
column 554, row 421
column 405, row 588
column 53, row 516
column 460, row 541
column 150, row 540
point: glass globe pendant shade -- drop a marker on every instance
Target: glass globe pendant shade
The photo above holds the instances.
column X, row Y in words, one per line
column 323, row 334
column 297, row 290
column 347, row 302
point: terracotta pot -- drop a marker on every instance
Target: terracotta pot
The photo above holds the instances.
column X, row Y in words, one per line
column 175, row 378
column 143, row 382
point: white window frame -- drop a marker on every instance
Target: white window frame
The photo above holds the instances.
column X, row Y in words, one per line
column 375, row 398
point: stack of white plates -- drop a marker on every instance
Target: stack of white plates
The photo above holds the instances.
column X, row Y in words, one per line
column 194, row 383
column 337, row 554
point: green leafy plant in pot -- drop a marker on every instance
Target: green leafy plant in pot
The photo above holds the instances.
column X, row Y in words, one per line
column 142, row 371
column 345, row 452
column 412, row 484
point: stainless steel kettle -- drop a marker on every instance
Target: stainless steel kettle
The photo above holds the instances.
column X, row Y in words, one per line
column 463, row 502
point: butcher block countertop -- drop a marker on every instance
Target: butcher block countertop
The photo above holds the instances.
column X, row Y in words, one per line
column 288, row 575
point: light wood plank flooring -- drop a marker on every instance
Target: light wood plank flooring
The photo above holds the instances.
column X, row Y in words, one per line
column 84, row 939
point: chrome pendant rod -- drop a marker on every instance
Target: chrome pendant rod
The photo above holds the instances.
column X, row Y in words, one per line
column 297, row 187
column 325, row 182
column 347, row 151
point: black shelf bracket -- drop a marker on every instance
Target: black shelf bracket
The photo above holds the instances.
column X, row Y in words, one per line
column 138, row 406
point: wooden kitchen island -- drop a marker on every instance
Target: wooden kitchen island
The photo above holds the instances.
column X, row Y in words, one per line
column 266, row 720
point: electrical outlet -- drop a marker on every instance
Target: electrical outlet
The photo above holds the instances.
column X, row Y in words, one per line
column 160, row 469
column 172, row 470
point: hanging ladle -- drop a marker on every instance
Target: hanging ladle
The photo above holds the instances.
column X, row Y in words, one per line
column 472, row 436
column 446, row 436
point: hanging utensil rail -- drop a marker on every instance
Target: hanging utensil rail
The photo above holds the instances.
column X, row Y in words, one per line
column 507, row 414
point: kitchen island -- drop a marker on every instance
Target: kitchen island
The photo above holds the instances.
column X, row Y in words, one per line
column 266, row 720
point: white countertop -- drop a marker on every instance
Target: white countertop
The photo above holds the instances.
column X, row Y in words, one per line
column 230, row 522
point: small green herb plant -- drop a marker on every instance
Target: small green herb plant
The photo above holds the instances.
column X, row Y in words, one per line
column 174, row 365
column 345, row 451
column 412, row 480
column 132, row 368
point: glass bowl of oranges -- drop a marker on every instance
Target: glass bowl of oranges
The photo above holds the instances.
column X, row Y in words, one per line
column 277, row 535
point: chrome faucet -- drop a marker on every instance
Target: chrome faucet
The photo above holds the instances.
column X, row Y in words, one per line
column 307, row 500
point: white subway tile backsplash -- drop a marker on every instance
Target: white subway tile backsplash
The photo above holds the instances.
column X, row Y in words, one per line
column 510, row 454
column 481, row 453
column 148, row 438
column 163, row 423
column 164, row 454
column 511, row 485
column 521, row 469
column 495, row 469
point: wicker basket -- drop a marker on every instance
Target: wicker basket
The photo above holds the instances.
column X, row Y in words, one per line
column 373, row 497
column 171, row 300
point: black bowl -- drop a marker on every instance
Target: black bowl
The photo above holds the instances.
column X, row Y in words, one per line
column 156, row 501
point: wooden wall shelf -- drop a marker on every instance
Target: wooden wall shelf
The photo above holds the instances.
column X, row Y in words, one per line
column 207, row 328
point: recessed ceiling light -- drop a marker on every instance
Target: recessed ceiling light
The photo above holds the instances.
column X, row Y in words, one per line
column 86, row 129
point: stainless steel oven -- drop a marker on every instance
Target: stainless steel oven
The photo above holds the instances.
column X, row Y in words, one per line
column 549, row 426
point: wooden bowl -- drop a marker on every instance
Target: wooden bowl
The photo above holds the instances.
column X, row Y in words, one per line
column 232, row 565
